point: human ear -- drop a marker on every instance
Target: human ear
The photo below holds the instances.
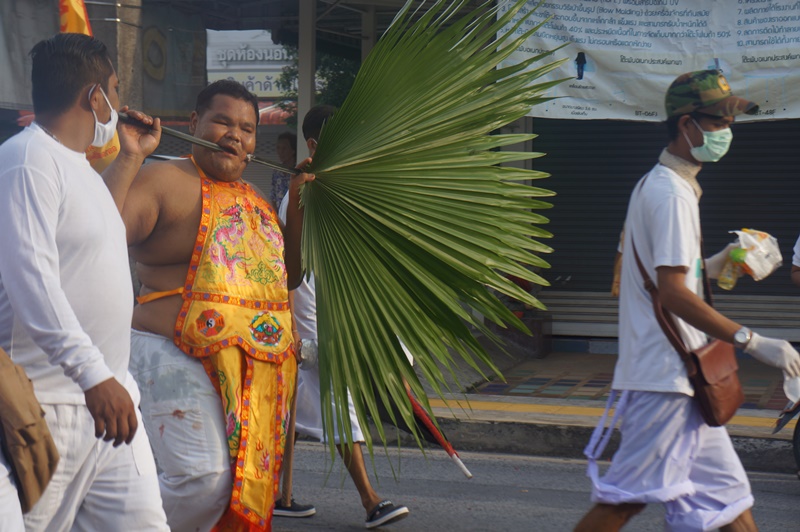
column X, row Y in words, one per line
column 193, row 122
column 683, row 123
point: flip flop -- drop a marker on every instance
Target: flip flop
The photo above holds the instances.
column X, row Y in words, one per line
column 385, row 512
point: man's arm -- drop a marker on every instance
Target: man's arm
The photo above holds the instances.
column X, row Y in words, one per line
column 143, row 201
column 689, row 307
column 685, row 304
column 796, row 275
column 293, row 231
column 136, row 143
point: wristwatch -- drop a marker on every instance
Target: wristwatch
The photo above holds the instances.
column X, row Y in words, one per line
column 742, row 337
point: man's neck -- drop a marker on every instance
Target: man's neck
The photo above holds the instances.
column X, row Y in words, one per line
column 679, row 148
column 685, row 169
column 70, row 129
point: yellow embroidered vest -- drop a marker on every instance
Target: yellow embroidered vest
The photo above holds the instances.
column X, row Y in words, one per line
column 235, row 292
column 235, row 317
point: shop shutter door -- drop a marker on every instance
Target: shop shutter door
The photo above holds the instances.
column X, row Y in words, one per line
column 594, row 166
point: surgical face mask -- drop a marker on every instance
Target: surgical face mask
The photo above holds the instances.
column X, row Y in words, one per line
column 103, row 133
column 715, row 144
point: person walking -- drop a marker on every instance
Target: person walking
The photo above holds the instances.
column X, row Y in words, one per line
column 211, row 345
column 668, row 454
column 309, row 417
column 66, row 296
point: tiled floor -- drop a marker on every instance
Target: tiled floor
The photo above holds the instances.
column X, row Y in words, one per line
column 588, row 376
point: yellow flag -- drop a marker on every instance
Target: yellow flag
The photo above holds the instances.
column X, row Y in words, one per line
column 75, row 19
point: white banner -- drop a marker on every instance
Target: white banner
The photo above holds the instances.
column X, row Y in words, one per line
column 625, row 53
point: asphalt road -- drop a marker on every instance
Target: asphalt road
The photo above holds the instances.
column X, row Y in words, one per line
column 507, row 493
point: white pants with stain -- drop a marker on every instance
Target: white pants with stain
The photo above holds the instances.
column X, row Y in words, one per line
column 182, row 413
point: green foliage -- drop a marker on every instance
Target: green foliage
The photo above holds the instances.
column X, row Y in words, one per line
column 335, row 76
column 411, row 224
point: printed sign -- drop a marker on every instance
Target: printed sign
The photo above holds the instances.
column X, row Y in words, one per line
column 625, row 53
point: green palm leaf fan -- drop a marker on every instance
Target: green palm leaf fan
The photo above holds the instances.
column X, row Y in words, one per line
column 410, row 224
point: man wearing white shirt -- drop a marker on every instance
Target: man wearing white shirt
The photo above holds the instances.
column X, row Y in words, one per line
column 66, row 297
column 668, row 454
column 309, row 417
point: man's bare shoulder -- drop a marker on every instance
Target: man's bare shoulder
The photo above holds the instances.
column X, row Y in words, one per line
column 160, row 171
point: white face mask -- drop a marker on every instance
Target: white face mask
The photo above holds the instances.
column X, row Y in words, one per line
column 103, row 133
column 715, row 144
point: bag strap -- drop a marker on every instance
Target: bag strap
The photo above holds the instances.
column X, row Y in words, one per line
column 663, row 317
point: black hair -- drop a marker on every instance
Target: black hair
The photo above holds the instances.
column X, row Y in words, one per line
column 63, row 66
column 315, row 118
column 672, row 122
column 291, row 137
column 226, row 87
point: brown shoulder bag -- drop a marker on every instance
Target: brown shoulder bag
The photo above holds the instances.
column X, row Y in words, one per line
column 26, row 440
column 712, row 368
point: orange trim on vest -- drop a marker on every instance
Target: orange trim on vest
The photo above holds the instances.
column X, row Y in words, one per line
column 152, row 296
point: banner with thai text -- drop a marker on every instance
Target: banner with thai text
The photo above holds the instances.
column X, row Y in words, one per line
column 247, row 56
column 623, row 54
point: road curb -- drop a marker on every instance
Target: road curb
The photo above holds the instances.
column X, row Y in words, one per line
column 568, row 441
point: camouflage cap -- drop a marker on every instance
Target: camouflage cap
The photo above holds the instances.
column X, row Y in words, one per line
column 705, row 91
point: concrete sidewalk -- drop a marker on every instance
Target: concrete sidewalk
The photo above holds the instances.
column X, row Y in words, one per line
column 550, row 406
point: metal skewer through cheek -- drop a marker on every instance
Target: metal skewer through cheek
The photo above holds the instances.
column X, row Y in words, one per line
column 210, row 145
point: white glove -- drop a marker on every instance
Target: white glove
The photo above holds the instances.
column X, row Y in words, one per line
column 774, row 352
column 791, row 387
column 715, row 263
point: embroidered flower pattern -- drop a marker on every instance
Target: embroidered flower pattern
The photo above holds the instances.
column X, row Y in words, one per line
column 262, row 274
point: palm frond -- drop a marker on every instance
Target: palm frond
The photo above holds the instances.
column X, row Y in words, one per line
column 411, row 224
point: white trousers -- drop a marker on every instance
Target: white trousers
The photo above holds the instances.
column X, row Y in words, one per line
column 669, row 455
column 10, row 510
column 96, row 486
column 183, row 416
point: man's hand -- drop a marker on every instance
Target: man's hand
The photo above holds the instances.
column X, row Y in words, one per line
column 113, row 412
column 774, row 352
column 139, row 139
column 715, row 263
column 301, row 178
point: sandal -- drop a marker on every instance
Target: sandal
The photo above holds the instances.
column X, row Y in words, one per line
column 384, row 513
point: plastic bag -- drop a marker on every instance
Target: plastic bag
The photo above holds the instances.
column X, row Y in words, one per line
column 763, row 255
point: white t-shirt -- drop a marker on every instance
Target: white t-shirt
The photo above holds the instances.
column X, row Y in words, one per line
column 796, row 255
column 664, row 222
column 65, row 289
column 305, row 298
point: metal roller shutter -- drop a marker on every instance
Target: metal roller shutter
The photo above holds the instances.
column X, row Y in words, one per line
column 594, row 166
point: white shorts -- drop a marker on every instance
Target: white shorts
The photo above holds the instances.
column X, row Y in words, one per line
column 309, row 416
column 183, row 416
column 668, row 454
